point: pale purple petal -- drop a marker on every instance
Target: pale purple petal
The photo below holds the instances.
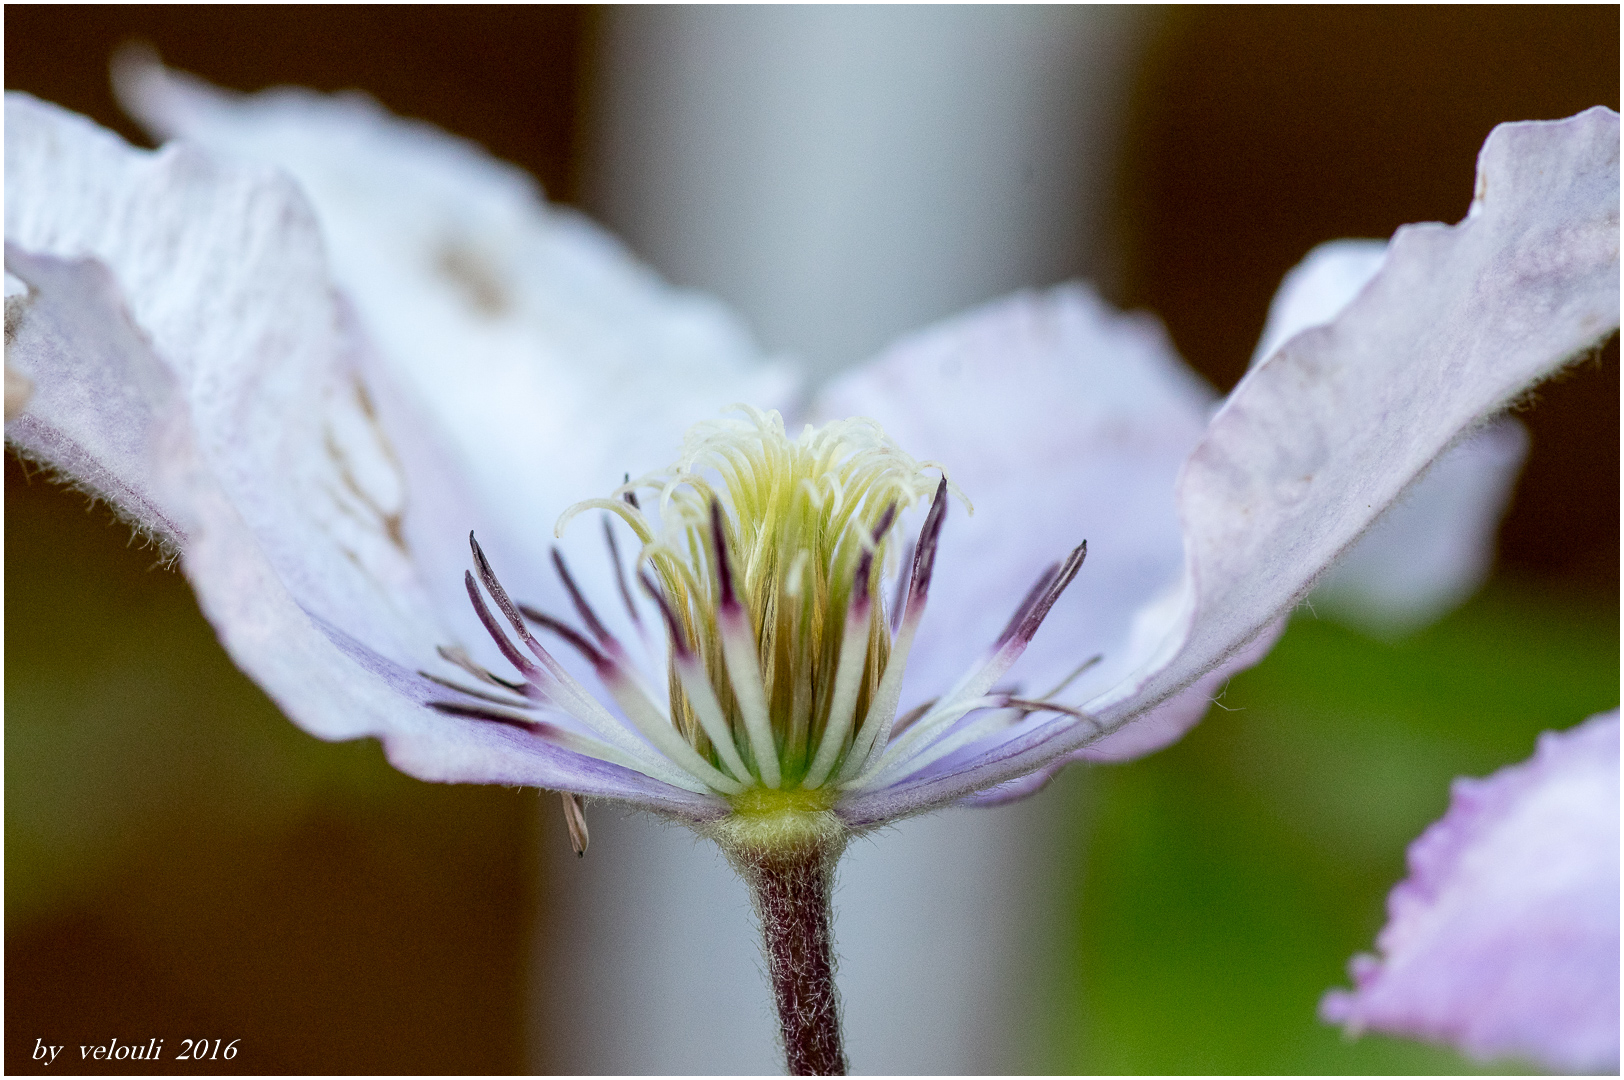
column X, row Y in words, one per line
column 1434, row 546
column 272, row 467
column 1317, row 290
column 1061, row 420
column 1504, row 940
column 548, row 360
column 96, row 392
column 1318, row 440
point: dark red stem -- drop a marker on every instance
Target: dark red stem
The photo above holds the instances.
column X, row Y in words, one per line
column 791, row 890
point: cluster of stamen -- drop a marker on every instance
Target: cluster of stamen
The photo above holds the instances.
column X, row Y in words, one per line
column 765, row 558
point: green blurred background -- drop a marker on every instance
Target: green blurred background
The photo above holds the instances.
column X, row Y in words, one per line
column 181, row 862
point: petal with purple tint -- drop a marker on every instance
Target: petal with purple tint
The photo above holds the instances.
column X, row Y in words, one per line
column 1433, row 547
column 1063, row 421
column 96, row 392
column 1339, row 422
column 153, row 274
column 1504, row 940
column 544, row 357
column 1319, row 439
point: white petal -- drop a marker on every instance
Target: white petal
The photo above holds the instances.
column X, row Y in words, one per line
column 1432, row 548
column 1504, row 938
column 1323, row 436
column 96, row 393
column 551, row 361
column 270, row 465
column 1317, row 290
column 1317, row 441
column 1061, row 420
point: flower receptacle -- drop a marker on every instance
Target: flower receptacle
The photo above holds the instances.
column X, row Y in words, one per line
column 771, row 823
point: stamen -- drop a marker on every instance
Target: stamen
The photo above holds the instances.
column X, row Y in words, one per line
column 1033, row 595
column 696, row 685
column 498, row 635
column 901, row 593
column 474, row 712
column 657, row 727
column 849, row 668
column 455, row 655
column 480, row 694
column 966, row 697
column 575, row 821
column 588, row 616
column 982, row 727
column 742, row 663
column 568, row 693
column 1069, row 679
column 882, row 710
column 576, row 743
column 909, row 718
column 848, row 681
column 620, row 573
column 571, row 635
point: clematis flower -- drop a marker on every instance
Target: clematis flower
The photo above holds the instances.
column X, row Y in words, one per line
column 319, row 351
column 1504, row 939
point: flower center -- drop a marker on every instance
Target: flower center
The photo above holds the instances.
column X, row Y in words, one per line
column 766, row 561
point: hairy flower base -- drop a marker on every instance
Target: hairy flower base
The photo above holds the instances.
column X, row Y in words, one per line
column 787, row 858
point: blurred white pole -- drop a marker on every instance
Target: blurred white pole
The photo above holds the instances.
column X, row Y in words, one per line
column 840, row 175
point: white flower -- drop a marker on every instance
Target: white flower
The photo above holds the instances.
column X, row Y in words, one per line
column 329, row 436
column 316, row 377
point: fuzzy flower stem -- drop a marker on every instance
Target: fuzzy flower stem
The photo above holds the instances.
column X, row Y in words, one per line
column 790, row 890
column 787, row 858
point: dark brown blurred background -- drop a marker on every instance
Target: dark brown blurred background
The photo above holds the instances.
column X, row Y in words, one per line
column 182, row 863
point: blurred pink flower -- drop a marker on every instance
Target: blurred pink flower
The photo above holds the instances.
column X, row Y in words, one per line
column 1504, row 939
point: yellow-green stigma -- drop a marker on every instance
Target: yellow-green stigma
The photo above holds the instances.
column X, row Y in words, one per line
column 766, row 562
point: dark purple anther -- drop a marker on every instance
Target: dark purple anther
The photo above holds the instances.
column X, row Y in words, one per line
column 925, row 553
column 678, row 641
column 588, row 616
column 494, row 629
column 724, row 573
column 473, row 712
column 571, row 635
column 866, row 563
column 1037, row 608
column 620, row 572
column 508, row 608
column 1028, row 602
